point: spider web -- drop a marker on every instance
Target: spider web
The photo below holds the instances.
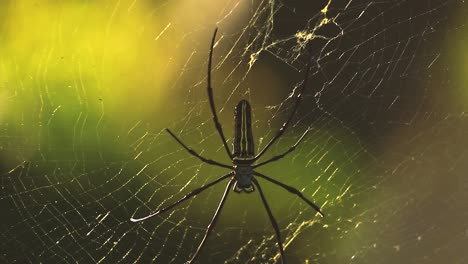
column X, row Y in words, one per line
column 87, row 90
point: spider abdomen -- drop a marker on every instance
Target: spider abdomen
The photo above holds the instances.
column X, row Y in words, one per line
column 243, row 138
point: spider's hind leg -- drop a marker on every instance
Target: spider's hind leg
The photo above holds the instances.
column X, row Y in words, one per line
column 292, row 190
column 186, row 197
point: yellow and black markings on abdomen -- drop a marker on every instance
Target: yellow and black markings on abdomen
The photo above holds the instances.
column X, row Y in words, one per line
column 243, row 139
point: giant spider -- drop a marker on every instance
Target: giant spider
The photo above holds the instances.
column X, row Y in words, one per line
column 242, row 172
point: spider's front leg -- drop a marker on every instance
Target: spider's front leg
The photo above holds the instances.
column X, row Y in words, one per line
column 272, row 220
column 214, row 220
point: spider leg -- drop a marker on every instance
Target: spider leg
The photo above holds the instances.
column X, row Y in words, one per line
column 210, row 97
column 293, row 112
column 275, row 158
column 272, row 220
column 191, row 151
column 187, row 196
column 292, row 190
column 214, row 220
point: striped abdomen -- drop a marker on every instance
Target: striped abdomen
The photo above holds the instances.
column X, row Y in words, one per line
column 243, row 139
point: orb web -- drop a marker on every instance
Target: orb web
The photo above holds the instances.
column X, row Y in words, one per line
column 85, row 104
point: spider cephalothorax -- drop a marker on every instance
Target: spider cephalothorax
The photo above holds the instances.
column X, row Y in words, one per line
column 243, row 175
column 242, row 172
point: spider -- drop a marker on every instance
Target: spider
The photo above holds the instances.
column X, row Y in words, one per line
column 242, row 174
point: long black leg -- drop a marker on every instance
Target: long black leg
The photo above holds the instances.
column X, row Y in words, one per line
column 191, row 151
column 187, row 196
column 292, row 190
column 210, row 97
column 214, row 220
column 275, row 158
column 272, row 219
column 293, row 112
